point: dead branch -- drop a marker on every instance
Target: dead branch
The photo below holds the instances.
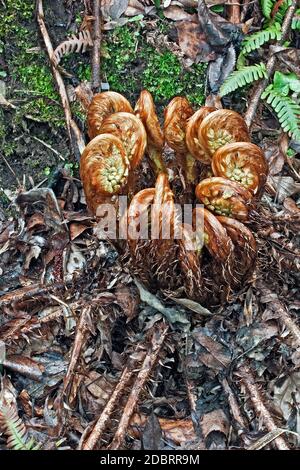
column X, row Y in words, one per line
column 80, row 338
column 35, row 292
column 234, row 12
column 96, row 82
column 100, row 426
column 75, row 135
column 234, row 406
column 155, row 346
column 254, row 102
column 256, row 398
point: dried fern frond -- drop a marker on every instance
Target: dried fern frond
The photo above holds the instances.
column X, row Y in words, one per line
column 242, row 77
column 75, row 43
column 15, row 430
column 256, row 40
column 286, row 109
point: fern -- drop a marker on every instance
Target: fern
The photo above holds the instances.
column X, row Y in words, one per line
column 267, row 7
column 73, row 44
column 14, row 428
column 296, row 20
column 256, row 40
column 288, row 112
column 280, row 13
column 242, row 77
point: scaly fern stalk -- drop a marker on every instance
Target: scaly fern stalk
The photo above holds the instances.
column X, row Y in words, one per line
column 256, row 40
column 242, row 77
column 287, row 111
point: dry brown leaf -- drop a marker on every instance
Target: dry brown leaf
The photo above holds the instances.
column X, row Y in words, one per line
column 77, row 229
column 179, row 431
column 217, row 356
column 176, row 13
column 274, row 156
column 215, row 421
column 284, row 186
column 193, row 42
column 113, row 9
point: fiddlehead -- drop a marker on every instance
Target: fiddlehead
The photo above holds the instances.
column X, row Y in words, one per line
column 103, row 169
column 102, row 105
column 129, row 129
column 220, row 128
column 243, row 162
column 192, row 140
column 146, row 112
column 177, row 114
column 224, row 197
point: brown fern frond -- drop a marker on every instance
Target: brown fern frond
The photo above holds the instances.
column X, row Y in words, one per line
column 75, row 43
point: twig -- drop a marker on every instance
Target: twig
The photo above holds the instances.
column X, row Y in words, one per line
column 10, row 168
column 252, row 107
column 105, row 416
column 49, row 147
column 234, row 406
column 96, row 82
column 256, row 398
column 156, row 343
column 234, row 12
column 80, row 338
column 73, row 130
column 35, row 292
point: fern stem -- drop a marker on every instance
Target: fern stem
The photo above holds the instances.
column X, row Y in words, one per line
column 96, row 82
column 252, row 107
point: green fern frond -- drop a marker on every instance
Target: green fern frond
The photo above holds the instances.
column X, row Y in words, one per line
column 286, row 109
column 242, row 77
column 267, row 7
column 256, row 40
column 14, row 428
column 296, row 20
column 280, row 14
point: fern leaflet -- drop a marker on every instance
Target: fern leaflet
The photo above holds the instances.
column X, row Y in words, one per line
column 254, row 41
column 287, row 110
column 296, row 20
column 267, row 7
column 14, row 428
column 242, row 77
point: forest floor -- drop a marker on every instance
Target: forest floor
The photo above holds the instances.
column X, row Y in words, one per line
column 79, row 333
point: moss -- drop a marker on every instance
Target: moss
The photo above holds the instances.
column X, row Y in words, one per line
column 37, row 93
column 130, row 64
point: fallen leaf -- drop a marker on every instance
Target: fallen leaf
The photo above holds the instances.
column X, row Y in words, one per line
column 193, row 42
column 215, row 421
column 113, row 9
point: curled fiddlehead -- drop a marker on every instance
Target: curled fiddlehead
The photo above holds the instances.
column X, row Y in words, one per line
column 220, row 128
column 130, row 130
column 102, row 105
column 103, row 169
column 177, row 114
column 224, row 197
column 192, row 140
column 146, row 112
column 243, row 162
